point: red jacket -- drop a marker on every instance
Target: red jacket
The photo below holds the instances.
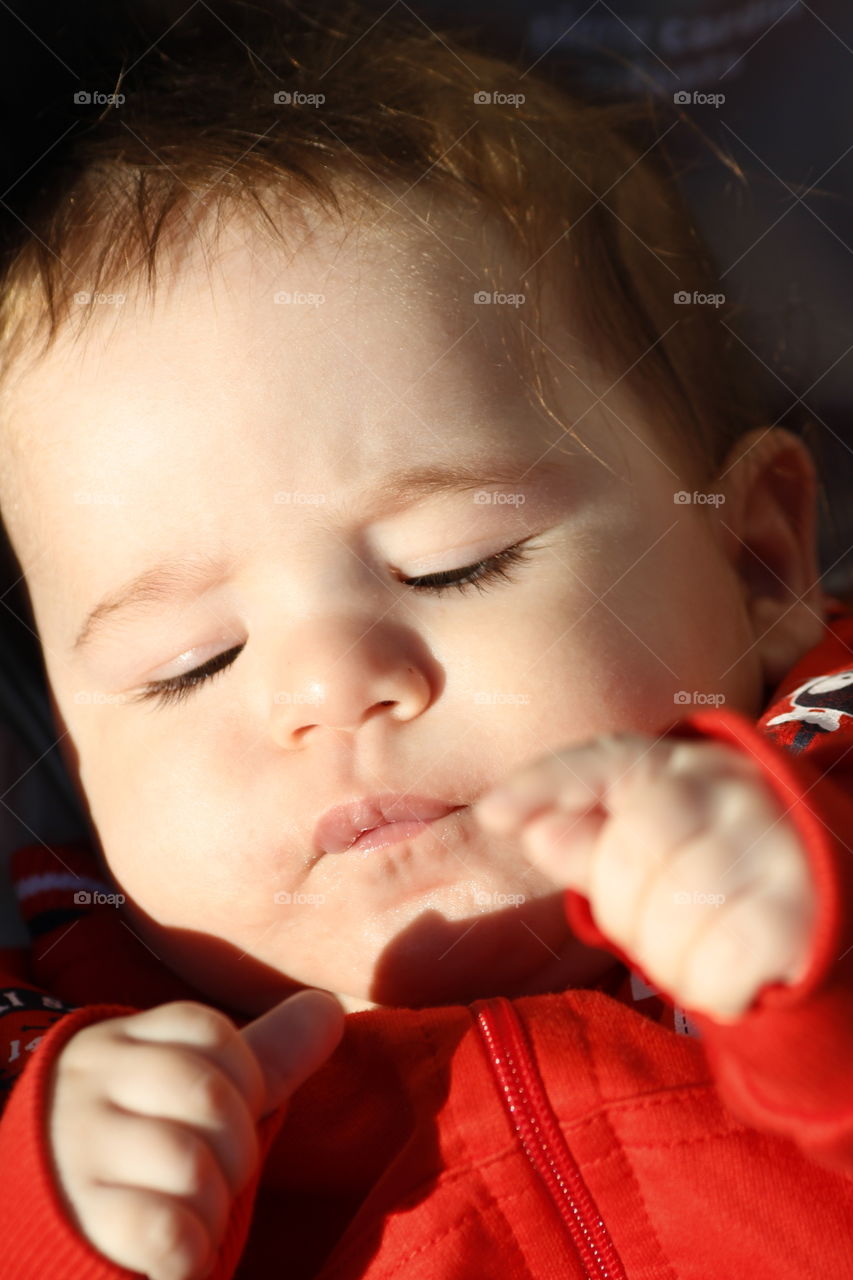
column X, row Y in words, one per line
column 598, row 1133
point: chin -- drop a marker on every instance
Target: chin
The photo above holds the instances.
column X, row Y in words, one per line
column 422, row 983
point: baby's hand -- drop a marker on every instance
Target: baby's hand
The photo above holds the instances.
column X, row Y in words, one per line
column 152, row 1122
column 685, row 854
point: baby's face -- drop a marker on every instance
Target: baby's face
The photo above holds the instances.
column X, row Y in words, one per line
column 261, row 435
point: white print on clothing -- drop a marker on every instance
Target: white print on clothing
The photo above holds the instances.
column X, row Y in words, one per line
column 640, row 990
column 821, row 701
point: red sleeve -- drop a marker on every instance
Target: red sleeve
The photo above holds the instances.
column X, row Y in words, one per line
column 39, row 1240
column 785, row 1065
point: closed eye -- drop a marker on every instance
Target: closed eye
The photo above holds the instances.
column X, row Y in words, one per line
column 488, row 571
column 178, row 687
column 473, row 575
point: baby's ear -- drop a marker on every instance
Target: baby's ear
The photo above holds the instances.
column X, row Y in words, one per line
column 769, row 531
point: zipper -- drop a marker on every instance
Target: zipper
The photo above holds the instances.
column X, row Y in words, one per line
column 542, row 1140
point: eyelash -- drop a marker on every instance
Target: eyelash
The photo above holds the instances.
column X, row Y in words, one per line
column 488, row 571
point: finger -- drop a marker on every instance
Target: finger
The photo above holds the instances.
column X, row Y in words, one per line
column 620, row 873
column 210, row 1032
column 161, row 1155
column 149, row 1232
column 611, row 857
column 690, row 883
column 175, row 1083
column 755, row 939
column 576, row 778
column 671, row 821
column 292, row 1040
column 745, row 850
column 562, row 845
column 634, row 845
column 670, row 920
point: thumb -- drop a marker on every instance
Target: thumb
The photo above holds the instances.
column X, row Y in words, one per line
column 292, row 1040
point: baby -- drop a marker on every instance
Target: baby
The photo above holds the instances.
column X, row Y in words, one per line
column 403, row 482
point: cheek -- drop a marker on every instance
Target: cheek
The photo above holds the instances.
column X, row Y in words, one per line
column 600, row 679
column 679, row 612
column 633, row 620
column 698, row 604
column 567, row 660
column 166, row 831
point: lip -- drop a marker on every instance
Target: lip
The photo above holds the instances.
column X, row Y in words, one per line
column 403, row 815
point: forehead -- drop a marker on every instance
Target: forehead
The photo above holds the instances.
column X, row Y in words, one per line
column 326, row 301
column 255, row 370
column 171, row 427
column 325, row 289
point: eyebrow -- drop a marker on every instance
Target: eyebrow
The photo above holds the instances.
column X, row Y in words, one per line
column 179, row 578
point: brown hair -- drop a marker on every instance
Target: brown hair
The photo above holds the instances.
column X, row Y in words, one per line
column 579, row 188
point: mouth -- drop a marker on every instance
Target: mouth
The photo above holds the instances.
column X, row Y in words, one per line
column 389, row 833
column 375, row 821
